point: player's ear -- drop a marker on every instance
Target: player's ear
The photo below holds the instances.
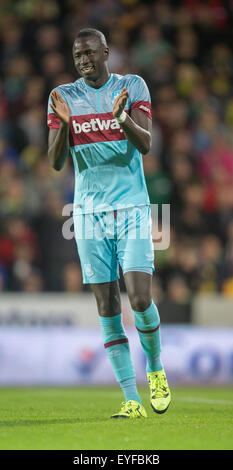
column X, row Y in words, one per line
column 106, row 53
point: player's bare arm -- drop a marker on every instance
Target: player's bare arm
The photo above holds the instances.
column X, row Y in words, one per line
column 58, row 145
column 137, row 127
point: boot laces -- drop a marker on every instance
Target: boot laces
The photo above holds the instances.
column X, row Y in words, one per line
column 129, row 407
column 159, row 387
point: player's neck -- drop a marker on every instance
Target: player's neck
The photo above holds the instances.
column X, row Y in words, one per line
column 99, row 82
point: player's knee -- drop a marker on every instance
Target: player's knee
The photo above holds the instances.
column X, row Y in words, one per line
column 108, row 308
column 140, row 303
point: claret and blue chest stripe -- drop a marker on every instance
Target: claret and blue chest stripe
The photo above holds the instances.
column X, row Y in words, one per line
column 90, row 128
column 107, row 166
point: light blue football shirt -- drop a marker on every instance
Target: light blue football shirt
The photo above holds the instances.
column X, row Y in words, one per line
column 108, row 168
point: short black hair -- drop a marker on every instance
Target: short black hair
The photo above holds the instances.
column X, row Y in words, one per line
column 92, row 32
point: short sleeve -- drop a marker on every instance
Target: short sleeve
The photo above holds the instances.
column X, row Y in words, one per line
column 52, row 120
column 140, row 96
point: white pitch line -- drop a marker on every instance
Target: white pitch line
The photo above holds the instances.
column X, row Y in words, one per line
column 204, row 400
column 191, row 399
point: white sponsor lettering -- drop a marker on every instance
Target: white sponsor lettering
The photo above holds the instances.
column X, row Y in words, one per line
column 95, row 125
column 86, row 127
column 104, row 124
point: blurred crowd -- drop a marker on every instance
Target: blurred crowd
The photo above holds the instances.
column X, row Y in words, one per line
column 183, row 50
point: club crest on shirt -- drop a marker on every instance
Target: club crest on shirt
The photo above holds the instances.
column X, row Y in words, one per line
column 115, row 94
column 88, row 270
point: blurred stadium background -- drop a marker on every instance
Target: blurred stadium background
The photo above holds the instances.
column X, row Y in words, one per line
column 49, row 332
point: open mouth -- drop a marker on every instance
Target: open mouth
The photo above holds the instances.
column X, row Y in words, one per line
column 88, row 69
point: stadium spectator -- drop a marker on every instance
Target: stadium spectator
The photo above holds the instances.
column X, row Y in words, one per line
column 72, row 278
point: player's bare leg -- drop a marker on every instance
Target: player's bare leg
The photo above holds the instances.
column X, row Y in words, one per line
column 116, row 343
column 139, row 289
column 147, row 322
column 108, row 299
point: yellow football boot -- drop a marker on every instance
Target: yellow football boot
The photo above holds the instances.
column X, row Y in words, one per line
column 131, row 409
column 160, row 395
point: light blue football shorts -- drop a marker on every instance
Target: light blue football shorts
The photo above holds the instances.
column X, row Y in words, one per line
column 109, row 239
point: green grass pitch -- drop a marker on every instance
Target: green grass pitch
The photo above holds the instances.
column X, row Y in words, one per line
column 78, row 418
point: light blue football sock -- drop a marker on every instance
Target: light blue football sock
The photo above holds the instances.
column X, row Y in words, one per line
column 148, row 326
column 117, row 347
column 129, row 389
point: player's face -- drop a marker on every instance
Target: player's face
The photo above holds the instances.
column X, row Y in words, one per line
column 89, row 57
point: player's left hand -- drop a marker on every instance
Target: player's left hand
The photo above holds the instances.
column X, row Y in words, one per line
column 120, row 102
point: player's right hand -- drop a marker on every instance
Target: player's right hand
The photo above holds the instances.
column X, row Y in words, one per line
column 60, row 107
